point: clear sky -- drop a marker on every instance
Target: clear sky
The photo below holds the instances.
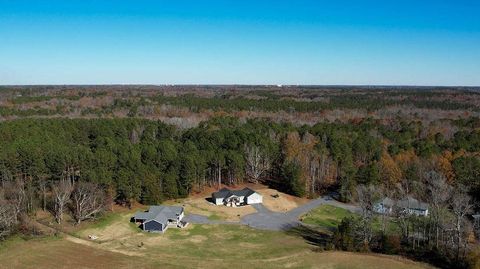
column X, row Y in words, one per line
column 405, row 42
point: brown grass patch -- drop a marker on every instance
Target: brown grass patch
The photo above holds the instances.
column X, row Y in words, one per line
column 113, row 231
column 283, row 203
column 332, row 259
column 201, row 206
column 61, row 254
column 197, row 238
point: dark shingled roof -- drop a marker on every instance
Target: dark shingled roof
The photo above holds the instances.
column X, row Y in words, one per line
column 412, row 203
column 224, row 193
column 160, row 214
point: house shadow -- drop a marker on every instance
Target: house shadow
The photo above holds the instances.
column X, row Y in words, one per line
column 209, row 200
column 312, row 236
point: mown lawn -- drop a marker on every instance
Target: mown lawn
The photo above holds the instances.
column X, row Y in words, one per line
column 329, row 217
column 198, row 246
column 226, row 241
column 326, row 216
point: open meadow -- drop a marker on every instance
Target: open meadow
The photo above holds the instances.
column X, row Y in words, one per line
column 199, row 246
column 121, row 244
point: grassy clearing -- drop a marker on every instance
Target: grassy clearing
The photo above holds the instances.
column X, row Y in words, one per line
column 215, row 217
column 390, row 228
column 121, row 245
column 326, row 216
column 226, row 241
column 58, row 253
column 200, row 246
column 110, row 227
column 106, row 220
column 329, row 217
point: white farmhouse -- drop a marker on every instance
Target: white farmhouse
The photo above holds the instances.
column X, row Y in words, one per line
column 235, row 198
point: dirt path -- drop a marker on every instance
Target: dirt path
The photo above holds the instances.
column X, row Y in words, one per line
column 85, row 242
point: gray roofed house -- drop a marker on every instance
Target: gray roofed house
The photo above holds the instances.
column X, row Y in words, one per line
column 221, row 193
column 233, row 198
column 414, row 206
column 409, row 205
column 159, row 218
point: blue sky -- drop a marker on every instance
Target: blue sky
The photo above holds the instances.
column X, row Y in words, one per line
column 240, row 42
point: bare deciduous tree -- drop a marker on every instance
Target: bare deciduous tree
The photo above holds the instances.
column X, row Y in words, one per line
column 43, row 186
column 438, row 192
column 257, row 163
column 16, row 196
column 7, row 218
column 461, row 206
column 401, row 216
column 7, row 215
column 88, row 201
column 385, row 193
column 61, row 194
column 366, row 198
column 314, row 165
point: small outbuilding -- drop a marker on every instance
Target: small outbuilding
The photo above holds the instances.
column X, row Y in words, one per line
column 235, row 198
column 160, row 218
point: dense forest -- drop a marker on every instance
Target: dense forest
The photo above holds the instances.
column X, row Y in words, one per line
column 59, row 163
column 151, row 161
column 187, row 106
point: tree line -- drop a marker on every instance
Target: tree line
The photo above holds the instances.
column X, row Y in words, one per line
column 59, row 164
column 443, row 237
column 134, row 101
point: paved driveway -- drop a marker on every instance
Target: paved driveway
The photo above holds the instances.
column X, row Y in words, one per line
column 270, row 221
column 200, row 219
column 265, row 219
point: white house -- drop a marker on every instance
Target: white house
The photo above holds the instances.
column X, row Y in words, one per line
column 385, row 206
column 234, row 198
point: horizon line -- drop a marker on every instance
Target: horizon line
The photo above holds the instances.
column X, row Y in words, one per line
column 238, row 84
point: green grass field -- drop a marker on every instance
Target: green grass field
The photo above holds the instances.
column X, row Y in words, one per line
column 326, row 216
column 200, row 246
column 122, row 245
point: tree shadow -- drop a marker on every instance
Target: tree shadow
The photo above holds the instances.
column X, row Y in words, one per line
column 277, row 185
column 313, row 236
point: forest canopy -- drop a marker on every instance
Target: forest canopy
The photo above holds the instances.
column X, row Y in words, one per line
column 76, row 150
column 149, row 161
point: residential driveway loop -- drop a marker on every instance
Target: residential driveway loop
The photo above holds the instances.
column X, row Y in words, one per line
column 265, row 219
